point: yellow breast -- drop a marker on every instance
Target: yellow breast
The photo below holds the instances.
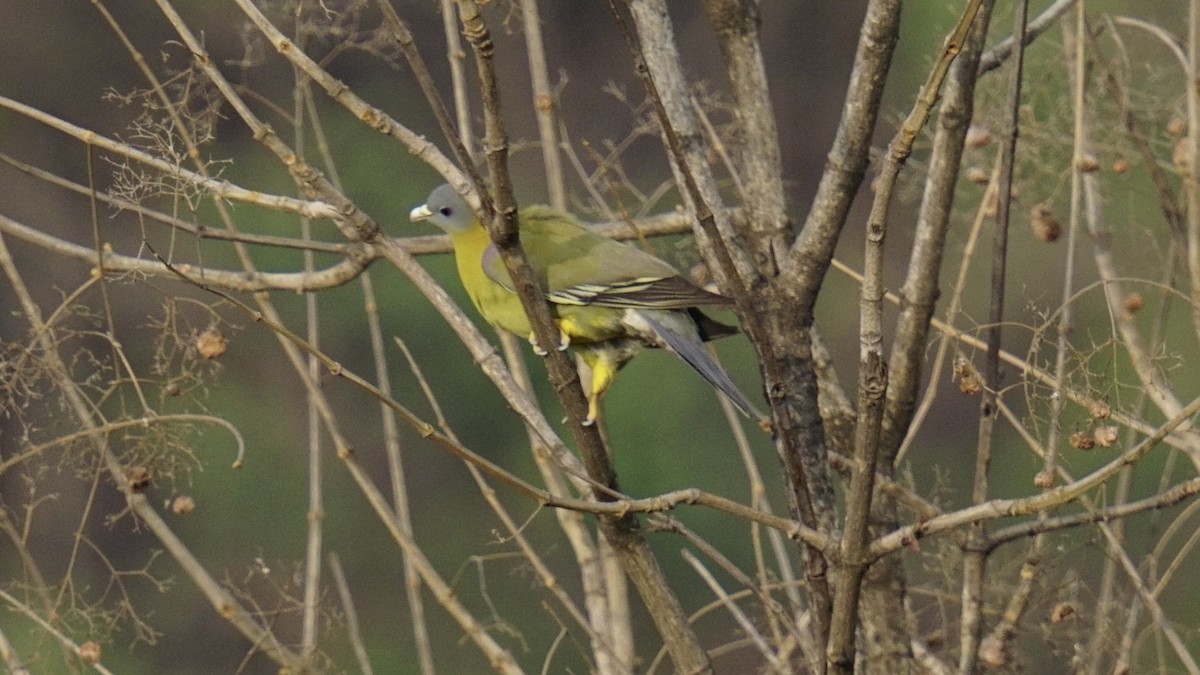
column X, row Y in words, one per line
column 502, row 308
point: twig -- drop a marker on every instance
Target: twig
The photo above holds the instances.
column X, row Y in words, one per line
column 872, row 369
column 1154, row 384
column 622, row 531
column 605, row 650
column 198, row 231
column 974, row 559
column 460, row 138
column 353, row 631
column 356, row 256
column 1111, row 514
column 219, row 189
column 996, row 56
column 66, row 641
column 223, row 602
column 797, row 635
column 315, row 517
column 921, row 288
column 400, row 501
column 850, row 155
column 136, row 422
column 1160, row 618
column 248, row 282
column 1002, row 508
column 755, row 637
column 798, row 433
column 1191, row 170
column 356, row 227
column 498, row 657
column 1182, row 438
column 9, row 656
column 993, row 651
column 1076, row 59
column 759, row 169
column 545, row 107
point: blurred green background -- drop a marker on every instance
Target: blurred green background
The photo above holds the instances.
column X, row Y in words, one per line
column 665, row 426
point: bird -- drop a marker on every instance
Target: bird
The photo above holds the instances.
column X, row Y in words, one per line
column 608, row 299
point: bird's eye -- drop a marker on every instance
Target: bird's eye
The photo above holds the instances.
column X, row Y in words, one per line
column 445, row 211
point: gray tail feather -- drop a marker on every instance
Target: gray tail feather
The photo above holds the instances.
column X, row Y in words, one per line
column 688, row 346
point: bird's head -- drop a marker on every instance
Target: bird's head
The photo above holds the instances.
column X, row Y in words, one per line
column 446, row 209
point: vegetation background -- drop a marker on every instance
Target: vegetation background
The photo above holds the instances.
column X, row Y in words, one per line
column 76, row 557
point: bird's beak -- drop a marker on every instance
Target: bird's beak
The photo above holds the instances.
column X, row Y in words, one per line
column 422, row 212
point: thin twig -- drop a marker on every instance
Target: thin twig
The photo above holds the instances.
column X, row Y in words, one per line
column 223, row 602
column 974, row 559
column 622, row 531
column 1191, row 170
column 997, row 55
column 748, row 628
column 219, row 189
column 1003, row 508
column 872, row 368
column 545, row 107
column 353, row 631
column 921, row 288
column 63, row 639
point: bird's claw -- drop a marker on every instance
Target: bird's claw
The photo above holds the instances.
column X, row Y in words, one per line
column 587, row 421
column 564, row 341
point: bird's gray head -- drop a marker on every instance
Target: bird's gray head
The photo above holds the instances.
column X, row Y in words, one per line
column 446, row 209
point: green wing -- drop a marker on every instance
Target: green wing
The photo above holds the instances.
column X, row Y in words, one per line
column 578, row 267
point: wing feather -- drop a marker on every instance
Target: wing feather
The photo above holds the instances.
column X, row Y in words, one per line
column 576, row 266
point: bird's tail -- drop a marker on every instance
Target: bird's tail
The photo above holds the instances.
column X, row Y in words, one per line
column 684, row 341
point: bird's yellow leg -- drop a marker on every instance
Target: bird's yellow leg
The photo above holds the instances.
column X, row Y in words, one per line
column 604, row 370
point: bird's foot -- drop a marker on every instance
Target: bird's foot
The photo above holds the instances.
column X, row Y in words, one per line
column 593, row 411
column 587, row 421
column 564, row 341
column 537, row 348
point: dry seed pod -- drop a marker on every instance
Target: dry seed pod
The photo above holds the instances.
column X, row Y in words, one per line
column 969, row 381
column 1100, row 410
column 1120, row 166
column 1181, row 153
column 978, row 136
column 991, row 205
column 1087, row 163
column 1082, row 441
column 183, row 505
column 699, row 274
column 1043, row 223
column 138, row 478
column 210, row 344
column 1063, row 611
column 89, row 653
column 1105, row 435
column 977, row 175
column 993, row 652
column 1177, row 127
column 1134, row 302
